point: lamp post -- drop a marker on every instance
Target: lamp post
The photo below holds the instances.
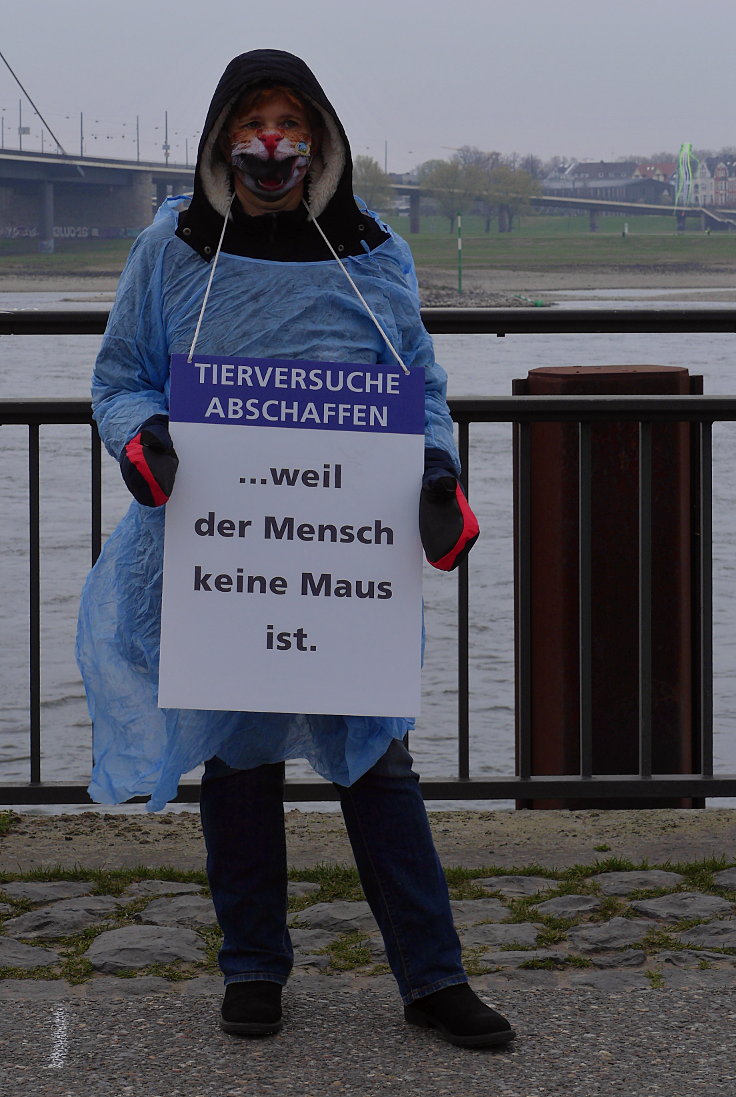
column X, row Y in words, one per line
column 166, row 137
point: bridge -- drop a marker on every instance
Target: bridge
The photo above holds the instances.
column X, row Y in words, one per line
column 47, row 196
column 709, row 219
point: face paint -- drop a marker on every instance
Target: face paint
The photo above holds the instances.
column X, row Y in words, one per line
column 270, row 147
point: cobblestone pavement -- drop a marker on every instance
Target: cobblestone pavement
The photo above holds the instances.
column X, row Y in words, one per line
column 640, row 928
column 617, row 975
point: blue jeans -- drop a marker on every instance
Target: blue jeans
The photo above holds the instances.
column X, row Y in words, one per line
column 243, row 824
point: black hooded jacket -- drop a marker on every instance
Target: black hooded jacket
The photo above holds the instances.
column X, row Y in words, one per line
column 287, row 236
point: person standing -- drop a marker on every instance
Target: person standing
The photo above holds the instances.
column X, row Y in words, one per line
column 273, row 206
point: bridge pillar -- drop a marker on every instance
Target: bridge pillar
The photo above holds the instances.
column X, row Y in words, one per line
column 181, row 186
column 46, row 218
column 162, row 193
column 594, row 216
column 414, row 212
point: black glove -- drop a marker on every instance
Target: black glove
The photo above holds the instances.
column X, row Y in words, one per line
column 149, row 463
column 447, row 526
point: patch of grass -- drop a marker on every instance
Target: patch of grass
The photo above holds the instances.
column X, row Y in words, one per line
column 466, row 889
column 347, row 952
column 76, row 970
column 551, row 935
column 618, row 864
column 88, row 257
column 543, row 249
column 656, row 979
column 108, row 881
column 456, row 875
column 611, row 907
column 50, row 972
column 170, row 972
column 8, row 821
column 473, row 962
column 658, row 939
column 379, row 969
column 212, row 937
column 335, row 882
column 552, row 964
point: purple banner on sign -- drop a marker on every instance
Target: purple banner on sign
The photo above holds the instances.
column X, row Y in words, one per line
column 272, row 392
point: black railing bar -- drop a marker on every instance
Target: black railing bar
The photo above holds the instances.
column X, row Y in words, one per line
column 524, row 596
column 54, row 412
column 503, row 409
column 463, row 672
column 442, row 321
column 585, row 600
column 645, row 599
column 436, row 788
column 96, row 491
column 477, row 409
column 34, row 598
column 573, row 321
column 706, row 598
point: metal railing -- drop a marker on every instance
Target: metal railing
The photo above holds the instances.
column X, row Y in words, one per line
column 523, row 411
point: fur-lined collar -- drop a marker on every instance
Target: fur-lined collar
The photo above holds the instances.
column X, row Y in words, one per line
column 329, row 181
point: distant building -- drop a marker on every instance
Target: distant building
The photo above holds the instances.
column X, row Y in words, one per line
column 712, row 183
column 617, row 181
column 723, row 179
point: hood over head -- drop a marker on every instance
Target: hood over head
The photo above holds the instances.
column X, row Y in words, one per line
column 328, row 184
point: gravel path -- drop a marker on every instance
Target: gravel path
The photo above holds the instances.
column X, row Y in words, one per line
column 573, row 1043
column 555, row 839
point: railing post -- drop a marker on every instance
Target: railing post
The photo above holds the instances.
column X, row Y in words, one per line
column 463, row 625
column 585, row 599
column 522, row 581
column 96, row 490
column 645, row 600
column 705, row 599
column 34, row 597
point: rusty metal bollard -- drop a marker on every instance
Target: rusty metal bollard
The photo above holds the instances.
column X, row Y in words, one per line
column 554, row 628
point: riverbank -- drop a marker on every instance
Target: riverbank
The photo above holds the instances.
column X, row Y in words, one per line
column 482, row 288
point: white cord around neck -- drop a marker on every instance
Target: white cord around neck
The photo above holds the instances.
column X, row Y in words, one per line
column 342, row 266
column 209, row 280
column 357, row 292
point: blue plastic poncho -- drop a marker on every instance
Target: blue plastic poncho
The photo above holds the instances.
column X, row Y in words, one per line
column 256, row 308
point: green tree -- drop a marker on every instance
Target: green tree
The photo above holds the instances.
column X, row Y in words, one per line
column 371, row 183
column 453, row 186
column 509, row 190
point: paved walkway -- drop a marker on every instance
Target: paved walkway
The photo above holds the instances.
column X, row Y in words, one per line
column 610, row 974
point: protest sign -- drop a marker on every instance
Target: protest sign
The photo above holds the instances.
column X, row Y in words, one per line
column 292, row 560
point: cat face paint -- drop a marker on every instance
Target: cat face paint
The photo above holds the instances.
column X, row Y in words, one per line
column 270, row 143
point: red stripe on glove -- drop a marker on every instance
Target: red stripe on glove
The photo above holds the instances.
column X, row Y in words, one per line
column 135, row 453
column 469, row 534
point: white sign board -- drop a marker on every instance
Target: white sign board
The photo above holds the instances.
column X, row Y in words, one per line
column 292, row 560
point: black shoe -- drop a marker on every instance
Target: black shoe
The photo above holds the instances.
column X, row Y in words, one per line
column 458, row 1016
column 251, row 1009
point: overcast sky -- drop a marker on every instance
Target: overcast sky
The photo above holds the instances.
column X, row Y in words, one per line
column 590, row 79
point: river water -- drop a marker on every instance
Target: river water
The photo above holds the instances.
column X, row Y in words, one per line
column 480, row 365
